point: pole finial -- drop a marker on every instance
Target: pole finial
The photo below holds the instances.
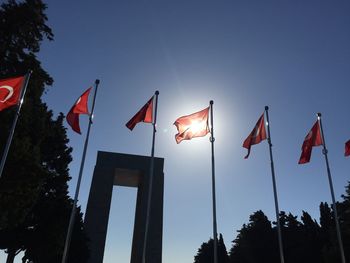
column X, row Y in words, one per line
column 97, row 81
column 266, row 108
column 319, row 114
column 157, row 92
column 211, row 102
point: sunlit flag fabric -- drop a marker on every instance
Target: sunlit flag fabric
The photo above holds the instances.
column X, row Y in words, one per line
column 10, row 91
column 313, row 138
column 191, row 126
column 79, row 107
column 347, row 148
column 257, row 135
column 145, row 114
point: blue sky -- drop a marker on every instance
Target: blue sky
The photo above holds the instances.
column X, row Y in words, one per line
column 290, row 55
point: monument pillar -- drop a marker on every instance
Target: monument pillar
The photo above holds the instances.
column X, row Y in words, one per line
column 132, row 171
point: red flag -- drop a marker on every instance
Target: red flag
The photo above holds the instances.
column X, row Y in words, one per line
column 191, row 126
column 347, row 148
column 257, row 135
column 10, row 91
column 145, row 114
column 313, row 138
column 79, row 107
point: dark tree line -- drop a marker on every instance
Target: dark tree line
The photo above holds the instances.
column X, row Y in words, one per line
column 34, row 201
column 205, row 252
column 304, row 240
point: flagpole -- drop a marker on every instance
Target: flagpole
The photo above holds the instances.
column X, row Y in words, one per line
column 150, row 182
column 212, row 139
column 12, row 131
column 280, row 244
column 325, row 153
column 72, row 215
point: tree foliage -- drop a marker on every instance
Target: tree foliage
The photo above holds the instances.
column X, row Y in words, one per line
column 304, row 240
column 34, row 200
column 255, row 242
column 206, row 252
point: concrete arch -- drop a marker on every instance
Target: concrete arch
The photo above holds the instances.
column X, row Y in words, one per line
column 126, row 170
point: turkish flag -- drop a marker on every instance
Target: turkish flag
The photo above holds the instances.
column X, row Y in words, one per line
column 313, row 138
column 191, row 126
column 257, row 135
column 10, row 91
column 145, row 114
column 79, row 107
column 347, row 148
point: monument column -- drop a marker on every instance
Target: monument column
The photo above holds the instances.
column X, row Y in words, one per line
column 97, row 211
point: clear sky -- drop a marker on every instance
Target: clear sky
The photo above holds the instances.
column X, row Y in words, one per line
column 293, row 56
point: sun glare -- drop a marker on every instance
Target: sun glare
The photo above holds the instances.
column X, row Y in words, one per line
column 197, row 126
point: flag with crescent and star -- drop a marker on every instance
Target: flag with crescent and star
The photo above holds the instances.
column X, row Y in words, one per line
column 193, row 125
column 257, row 135
column 313, row 138
column 79, row 107
column 145, row 114
column 10, row 91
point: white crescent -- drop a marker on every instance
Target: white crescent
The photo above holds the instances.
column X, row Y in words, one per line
column 9, row 95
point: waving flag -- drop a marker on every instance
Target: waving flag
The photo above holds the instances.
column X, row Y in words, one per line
column 313, row 138
column 79, row 107
column 145, row 114
column 10, row 91
column 347, row 148
column 257, row 135
column 191, row 126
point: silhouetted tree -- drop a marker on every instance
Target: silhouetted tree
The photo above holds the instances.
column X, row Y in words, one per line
column 330, row 249
column 291, row 237
column 304, row 241
column 343, row 209
column 206, row 251
column 255, row 242
column 312, row 239
column 301, row 240
column 344, row 215
column 34, row 200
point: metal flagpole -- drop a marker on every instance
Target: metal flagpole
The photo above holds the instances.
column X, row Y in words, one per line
column 212, row 139
column 12, row 131
column 72, row 215
column 150, row 185
column 280, row 245
column 325, row 153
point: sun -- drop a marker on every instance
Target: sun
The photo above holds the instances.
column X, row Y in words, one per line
column 197, row 126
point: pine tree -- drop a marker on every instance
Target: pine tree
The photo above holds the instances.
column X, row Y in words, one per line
column 330, row 250
column 344, row 219
column 205, row 253
column 255, row 242
column 304, row 242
